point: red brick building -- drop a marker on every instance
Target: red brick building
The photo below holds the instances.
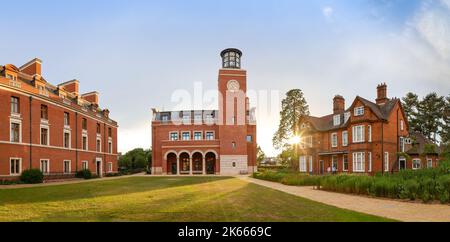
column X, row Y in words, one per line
column 368, row 137
column 52, row 128
column 209, row 141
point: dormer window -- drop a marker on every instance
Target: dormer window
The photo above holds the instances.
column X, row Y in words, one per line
column 346, row 117
column 11, row 77
column 186, row 118
column 359, row 111
column 337, row 120
column 42, row 90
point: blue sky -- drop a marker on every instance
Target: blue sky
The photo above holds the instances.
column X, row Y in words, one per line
column 137, row 53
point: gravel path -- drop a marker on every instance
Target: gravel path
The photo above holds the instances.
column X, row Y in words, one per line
column 398, row 210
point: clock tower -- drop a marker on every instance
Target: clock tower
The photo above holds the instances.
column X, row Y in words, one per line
column 234, row 115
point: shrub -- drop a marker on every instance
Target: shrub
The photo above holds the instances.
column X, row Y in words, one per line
column 425, row 184
column 32, row 176
column 84, row 174
column 113, row 174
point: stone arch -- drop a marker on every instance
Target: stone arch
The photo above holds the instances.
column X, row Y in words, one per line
column 168, row 152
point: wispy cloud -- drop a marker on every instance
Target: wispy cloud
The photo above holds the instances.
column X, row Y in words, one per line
column 433, row 25
column 328, row 12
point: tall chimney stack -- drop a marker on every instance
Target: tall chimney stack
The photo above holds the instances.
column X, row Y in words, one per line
column 32, row 68
column 338, row 104
column 382, row 94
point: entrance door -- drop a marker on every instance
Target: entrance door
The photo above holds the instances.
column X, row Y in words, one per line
column 321, row 167
column 402, row 164
column 174, row 168
column 210, row 167
column 98, row 168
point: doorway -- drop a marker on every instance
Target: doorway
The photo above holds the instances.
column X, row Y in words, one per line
column 321, row 167
column 402, row 164
column 98, row 167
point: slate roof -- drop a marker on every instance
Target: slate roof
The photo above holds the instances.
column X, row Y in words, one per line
column 325, row 123
column 419, row 143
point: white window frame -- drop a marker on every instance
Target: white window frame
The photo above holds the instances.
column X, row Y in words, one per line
column 16, row 173
column 84, row 135
column 309, row 141
column 334, row 140
column 15, row 121
column 48, row 134
column 347, row 116
column 359, row 162
column 110, row 145
column 414, row 163
column 344, row 138
column 334, row 161
column 358, row 137
column 343, row 163
column 186, row 132
column 110, row 167
column 386, row 161
column 302, row 164
column 70, row 138
column 201, row 135
column 70, row 167
column 369, row 157
column 18, row 106
column 83, row 166
column 359, row 111
column 310, row 164
column 174, row 132
column 402, row 144
column 337, row 120
column 99, row 148
column 428, row 163
column 369, row 133
column 48, row 166
column 213, row 135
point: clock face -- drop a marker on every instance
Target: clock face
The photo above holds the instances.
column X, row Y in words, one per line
column 233, row 86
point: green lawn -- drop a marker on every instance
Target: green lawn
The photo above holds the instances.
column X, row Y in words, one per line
column 165, row 199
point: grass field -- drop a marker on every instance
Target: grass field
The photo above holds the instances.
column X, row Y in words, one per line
column 173, row 199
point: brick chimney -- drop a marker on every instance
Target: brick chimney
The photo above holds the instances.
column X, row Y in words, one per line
column 382, row 94
column 70, row 86
column 91, row 97
column 32, row 68
column 338, row 104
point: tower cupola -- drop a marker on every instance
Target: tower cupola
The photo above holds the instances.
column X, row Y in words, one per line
column 231, row 58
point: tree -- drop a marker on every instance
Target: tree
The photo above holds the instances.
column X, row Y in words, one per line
column 260, row 155
column 288, row 158
column 430, row 115
column 445, row 131
column 410, row 105
column 294, row 107
column 135, row 159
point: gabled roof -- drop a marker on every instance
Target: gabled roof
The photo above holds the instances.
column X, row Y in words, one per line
column 419, row 144
column 325, row 123
column 382, row 111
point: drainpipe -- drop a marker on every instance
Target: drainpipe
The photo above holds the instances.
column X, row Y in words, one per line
column 76, row 142
column 398, row 140
column 382, row 147
column 104, row 149
column 31, row 134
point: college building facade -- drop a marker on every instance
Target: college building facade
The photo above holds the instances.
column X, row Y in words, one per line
column 201, row 142
column 52, row 128
column 368, row 137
